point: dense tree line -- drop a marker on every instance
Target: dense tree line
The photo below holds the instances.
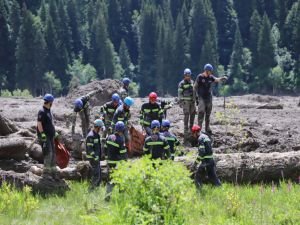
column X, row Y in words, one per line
column 52, row 44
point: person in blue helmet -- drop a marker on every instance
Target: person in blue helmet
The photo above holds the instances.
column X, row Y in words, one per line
column 124, row 90
column 203, row 90
column 123, row 114
column 46, row 134
column 107, row 112
column 186, row 97
column 156, row 145
column 81, row 106
column 93, row 152
column 170, row 137
column 116, row 152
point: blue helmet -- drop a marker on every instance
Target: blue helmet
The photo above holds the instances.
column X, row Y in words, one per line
column 187, row 71
column 165, row 123
column 208, row 67
column 115, row 97
column 128, row 101
column 48, row 98
column 78, row 103
column 120, row 126
column 98, row 123
column 155, row 124
column 126, row 81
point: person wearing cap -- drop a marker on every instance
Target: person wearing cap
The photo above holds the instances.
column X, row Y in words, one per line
column 93, row 152
column 116, row 152
column 81, row 106
column 186, row 99
column 156, row 145
column 204, row 163
column 124, row 90
column 46, row 134
column 203, row 90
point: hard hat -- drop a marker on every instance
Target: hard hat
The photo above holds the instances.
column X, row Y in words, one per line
column 115, row 97
column 196, row 128
column 155, row 124
column 126, row 81
column 98, row 123
column 120, row 126
column 208, row 67
column 128, row 101
column 187, row 71
column 78, row 103
column 165, row 123
column 48, row 98
column 153, row 96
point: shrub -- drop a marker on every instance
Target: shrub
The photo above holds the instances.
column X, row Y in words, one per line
column 151, row 192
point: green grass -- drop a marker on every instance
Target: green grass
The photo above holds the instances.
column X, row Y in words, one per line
column 226, row 205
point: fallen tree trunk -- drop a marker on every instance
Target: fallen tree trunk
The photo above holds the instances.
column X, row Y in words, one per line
column 6, row 126
column 38, row 184
column 13, row 148
column 254, row 167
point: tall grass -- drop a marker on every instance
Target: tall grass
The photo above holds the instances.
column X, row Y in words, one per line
column 137, row 203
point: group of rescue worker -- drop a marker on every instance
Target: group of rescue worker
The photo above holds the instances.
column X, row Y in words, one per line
column 113, row 121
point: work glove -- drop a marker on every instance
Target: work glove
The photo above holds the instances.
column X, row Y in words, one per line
column 56, row 136
column 224, row 79
column 43, row 137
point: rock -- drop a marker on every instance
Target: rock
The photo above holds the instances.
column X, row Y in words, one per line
column 36, row 153
column 273, row 141
column 271, row 106
column 296, row 148
column 254, row 167
column 17, row 166
column 107, row 86
column 6, row 126
column 74, row 143
column 13, row 148
column 248, row 145
column 39, row 184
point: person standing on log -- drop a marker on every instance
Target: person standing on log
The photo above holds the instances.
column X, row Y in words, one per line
column 116, row 151
column 186, row 99
column 81, row 106
column 203, row 90
column 93, row 153
column 46, row 135
column 124, row 90
column 205, row 156
column 150, row 111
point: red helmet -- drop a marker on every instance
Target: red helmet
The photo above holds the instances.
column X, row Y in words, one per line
column 153, row 96
column 196, row 128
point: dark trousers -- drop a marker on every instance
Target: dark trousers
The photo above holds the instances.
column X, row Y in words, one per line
column 48, row 149
column 95, row 173
column 204, row 110
column 207, row 168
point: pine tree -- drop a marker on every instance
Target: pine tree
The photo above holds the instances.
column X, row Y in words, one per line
column 30, row 54
column 124, row 57
column 266, row 53
column 147, row 42
column 43, row 11
column 115, row 25
column 226, row 19
column 255, row 27
column 74, row 26
column 6, row 50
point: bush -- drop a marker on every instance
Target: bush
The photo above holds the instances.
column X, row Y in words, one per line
column 6, row 93
column 16, row 93
column 151, row 192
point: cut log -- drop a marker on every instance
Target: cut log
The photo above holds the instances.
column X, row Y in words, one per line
column 271, row 106
column 6, row 126
column 13, row 148
column 38, row 184
column 254, row 167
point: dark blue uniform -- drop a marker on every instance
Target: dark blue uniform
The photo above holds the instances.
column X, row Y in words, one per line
column 172, row 141
column 207, row 166
column 157, row 146
column 93, row 153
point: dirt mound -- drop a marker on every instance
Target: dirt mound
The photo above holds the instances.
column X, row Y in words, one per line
column 107, row 86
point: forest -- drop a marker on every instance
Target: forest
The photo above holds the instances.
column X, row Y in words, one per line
column 56, row 45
